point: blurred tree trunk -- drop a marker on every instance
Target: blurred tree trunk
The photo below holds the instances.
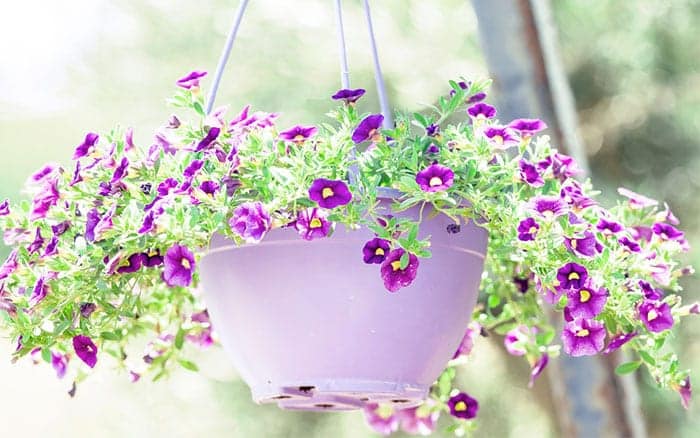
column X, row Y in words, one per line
column 519, row 42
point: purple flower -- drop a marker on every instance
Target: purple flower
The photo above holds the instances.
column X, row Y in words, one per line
column 481, row 111
column 5, row 207
column 667, row 232
column 132, row 264
column 86, row 350
column 476, row 97
column 548, row 206
column 537, row 369
column 516, row 340
column 152, row 259
column 298, row 134
column 381, row 418
column 86, row 309
column 5, row 303
column 47, row 197
column 420, row 420
column 44, row 174
column 527, row 229
column 204, row 337
column 641, row 232
column 463, row 406
column 564, row 167
column 467, row 343
column 349, row 96
column 52, row 247
column 368, row 129
column 393, row 275
column 618, row 341
column 432, row 130
column 77, row 177
column 609, row 227
column 9, row 266
column 39, row 292
column 667, row 216
column 527, row 127
column 686, row 392
column 435, row 178
column 191, row 80
column 573, row 195
column 37, row 243
column 586, row 302
column 312, row 224
column 656, row 315
column 630, row 244
column 650, row 293
column 571, row 276
column 501, row 137
column 329, row 193
column 120, row 172
column 193, row 169
column 587, row 246
column 179, row 265
column 59, row 362
column 375, row 251
column 250, row 221
column 209, row 187
column 583, row 337
column 212, row 135
column 148, row 224
column 522, row 283
column 86, row 147
column 635, row 199
column 93, row 218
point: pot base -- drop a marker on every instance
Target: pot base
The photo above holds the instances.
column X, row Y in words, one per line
column 340, row 395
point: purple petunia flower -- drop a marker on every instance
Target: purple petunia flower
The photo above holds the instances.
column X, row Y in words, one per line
column 120, row 172
column 87, row 309
column 618, row 341
column 418, row 420
column 476, row 97
column 527, row 127
column 432, row 130
column 435, row 178
column 51, row 247
column 191, row 80
column 629, row 244
column 667, row 232
column 9, row 266
column 481, row 111
column 209, row 187
column 148, row 224
column 463, row 406
column 636, row 200
column 298, row 134
column 77, row 176
column 501, row 137
column 537, row 369
column 37, row 244
column 650, row 292
column 92, row 219
column 59, row 362
column 609, row 227
column 667, row 216
column 548, row 207
column 250, row 221
column 368, row 129
column 44, row 174
column 375, row 251
column 527, row 229
column 574, row 197
column 86, row 350
column 39, row 292
column 522, row 283
column 686, row 392
column 348, row 95
column 179, row 265
column 516, row 340
column 312, row 224
column 206, row 142
column 47, row 197
column 571, row 276
column 87, row 146
column 381, row 418
column 193, row 169
column 564, row 167
column 204, row 337
column 467, row 343
column 587, row 246
column 132, row 264
column 583, row 337
column 329, row 193
column 5, row 207
column 586, row 302
column 393, row 275
column 655, row 315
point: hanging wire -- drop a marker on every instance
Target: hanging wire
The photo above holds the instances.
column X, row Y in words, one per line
column 344, row 70
column 224, row 55
column 378, row 77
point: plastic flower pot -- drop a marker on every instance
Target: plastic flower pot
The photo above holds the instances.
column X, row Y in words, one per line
column 310, row 326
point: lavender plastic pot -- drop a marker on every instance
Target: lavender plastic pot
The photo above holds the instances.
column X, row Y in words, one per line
column 310, row 326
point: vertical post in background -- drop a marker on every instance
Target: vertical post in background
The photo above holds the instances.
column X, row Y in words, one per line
column 519, row 42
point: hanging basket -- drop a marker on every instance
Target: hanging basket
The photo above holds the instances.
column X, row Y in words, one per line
column 310, row 326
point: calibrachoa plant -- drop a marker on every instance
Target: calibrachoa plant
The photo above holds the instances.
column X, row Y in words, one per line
column 106, row 251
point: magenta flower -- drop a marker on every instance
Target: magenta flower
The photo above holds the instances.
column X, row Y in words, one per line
column 467, row 344
column 37, row 244
column 548, row 207
column 501, row 137
column 298, row 134
column 132, row 264
column 686, row 392
column 209, row 139
column 435, row 178
column 179, row 264
column 329, row 193
column 47, row 197
column 667, row 232
column 9, row 266
column 5, row 207
column 86, row 350
column 586, row 302
column 148, row 224
column 587, row 246
column 480, row 111
column 609, row 227
column 636, row 200
column 191, row 80
column 120, row 172
column 44, row 174
column 209, row 187
column 375, row 251
column 87, row 146
column 571, row 276
column 39, row 292
column 432, row 130
column 655, row 315
column 52, row 247
column 59, row 362
column 564, row 167
column 250, row 221
column 312, row 224
column 349, row 96
column 574, row 197
column 629, row 244
column 667, row 216
column 476, row 97
column 87, row 309
column 193, row 169
column 381, row 418
column 463, row 406
column 393, row 275
column 368, row 129
column 527, row 229
column 516, row 340
column 537, row 369
column 650, row 292
column 583, row 337
column 418, row 420
column 618, row 341
column 204, row 337
column 527, row 127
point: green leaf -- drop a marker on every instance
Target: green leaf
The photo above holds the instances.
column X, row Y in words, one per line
column 405, row 259
column 494, row 301
column 198, row 107
column 420, row 119
column 110, row 336
column 46, row 354
column 627, row 367
column 188, row 365
column 179, row 338
column 646, row 357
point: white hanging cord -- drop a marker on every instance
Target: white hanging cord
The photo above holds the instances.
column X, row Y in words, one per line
column 378, row 77
column 344, row 70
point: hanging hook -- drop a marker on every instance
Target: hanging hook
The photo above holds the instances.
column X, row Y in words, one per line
column 378, row 77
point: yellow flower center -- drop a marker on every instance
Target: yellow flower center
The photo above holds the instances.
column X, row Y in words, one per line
column 584, row 295
column 652, row 315
column 498, row 139
column 460, row 406
column 379, row 252
column 374, row 135
column 299, row 138
column 532, row 230
column 435, row 181
column 574, row 242
column 574, row 276
column 327, row 192
column 582, row 333
column 548, row 214
column 396, row 265
column 315, row 223
column 185, row 263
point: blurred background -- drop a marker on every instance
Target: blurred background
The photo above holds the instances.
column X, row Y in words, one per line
column 69, row 67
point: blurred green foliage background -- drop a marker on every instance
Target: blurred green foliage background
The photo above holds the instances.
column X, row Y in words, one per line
column 69, row 67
